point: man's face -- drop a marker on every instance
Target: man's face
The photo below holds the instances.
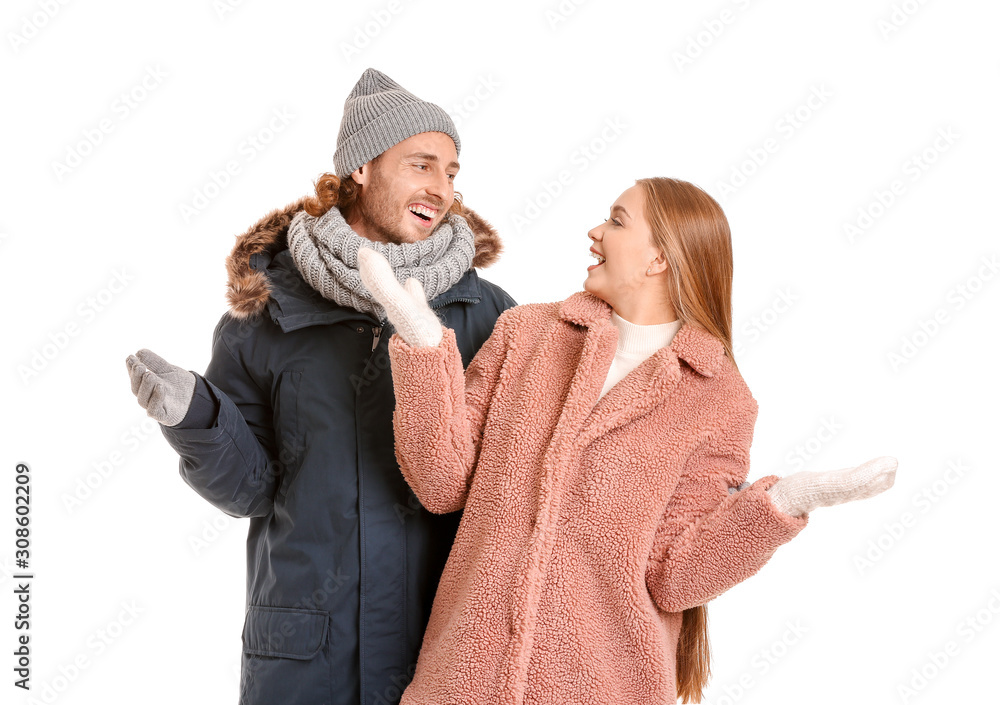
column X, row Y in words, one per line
column 407, row 191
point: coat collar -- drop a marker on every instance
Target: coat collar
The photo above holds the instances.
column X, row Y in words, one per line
column 693, row 344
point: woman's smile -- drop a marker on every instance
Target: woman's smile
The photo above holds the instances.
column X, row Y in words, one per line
column 598, row 256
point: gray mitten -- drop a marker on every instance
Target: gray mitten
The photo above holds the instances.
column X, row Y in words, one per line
column 163, row 390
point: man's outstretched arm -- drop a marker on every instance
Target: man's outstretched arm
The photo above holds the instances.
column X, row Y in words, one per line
column 219, row 424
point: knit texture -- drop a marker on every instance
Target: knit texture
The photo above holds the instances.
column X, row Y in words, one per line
column 248, row 289
column 162, row 389
column 589, row 524
column 325, row 250
column 380, row 113
column 406, row 306
column 802, row 492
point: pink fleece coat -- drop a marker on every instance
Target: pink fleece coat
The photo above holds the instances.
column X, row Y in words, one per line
column 589, row 525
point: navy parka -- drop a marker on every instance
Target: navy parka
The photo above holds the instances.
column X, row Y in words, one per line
column 342, row 560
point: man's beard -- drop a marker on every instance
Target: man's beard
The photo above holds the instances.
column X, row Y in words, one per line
column 380, row 213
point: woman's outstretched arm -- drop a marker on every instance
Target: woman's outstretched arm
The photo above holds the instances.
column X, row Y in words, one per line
column 708, row 539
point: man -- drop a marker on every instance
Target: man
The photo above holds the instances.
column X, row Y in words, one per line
column 291, row 424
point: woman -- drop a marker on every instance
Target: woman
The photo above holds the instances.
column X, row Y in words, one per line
column 592, row 444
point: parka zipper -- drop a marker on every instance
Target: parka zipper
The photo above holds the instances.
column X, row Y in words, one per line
column 452, row 301
column 363, row 572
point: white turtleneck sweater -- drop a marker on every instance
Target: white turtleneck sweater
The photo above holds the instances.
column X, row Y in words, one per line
column 635, row 344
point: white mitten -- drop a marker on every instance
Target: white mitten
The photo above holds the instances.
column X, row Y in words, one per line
column 405, row 306
column 802, row 492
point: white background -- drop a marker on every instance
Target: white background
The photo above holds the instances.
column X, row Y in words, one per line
column 696, row 91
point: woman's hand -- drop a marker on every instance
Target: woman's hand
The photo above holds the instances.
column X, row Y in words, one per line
column 405, row 306
column 802, row 492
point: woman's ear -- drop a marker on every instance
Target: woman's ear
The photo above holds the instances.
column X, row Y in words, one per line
column 658, row 264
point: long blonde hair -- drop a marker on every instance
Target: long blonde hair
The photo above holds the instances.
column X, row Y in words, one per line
column 691, row 230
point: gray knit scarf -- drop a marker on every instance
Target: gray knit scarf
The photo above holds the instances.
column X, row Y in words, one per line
column 325, row 250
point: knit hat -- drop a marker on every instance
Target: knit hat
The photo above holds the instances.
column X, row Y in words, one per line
column 380, row 113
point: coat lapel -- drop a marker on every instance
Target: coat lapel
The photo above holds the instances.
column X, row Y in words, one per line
column 645, row 387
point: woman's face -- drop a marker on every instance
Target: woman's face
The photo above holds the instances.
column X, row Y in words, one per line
column 624, row 243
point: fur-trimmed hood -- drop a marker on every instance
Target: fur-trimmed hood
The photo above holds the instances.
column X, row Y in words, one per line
column 248, row 289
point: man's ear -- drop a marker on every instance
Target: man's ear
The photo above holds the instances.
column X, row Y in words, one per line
column 360, row 175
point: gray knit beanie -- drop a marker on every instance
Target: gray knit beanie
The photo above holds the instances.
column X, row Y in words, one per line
column 380, row 113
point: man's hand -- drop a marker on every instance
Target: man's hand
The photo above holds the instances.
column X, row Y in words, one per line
column 405, row 306
column 163, row 390
column 802, row 492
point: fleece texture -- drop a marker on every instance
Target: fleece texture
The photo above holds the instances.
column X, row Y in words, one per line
column 589, row 524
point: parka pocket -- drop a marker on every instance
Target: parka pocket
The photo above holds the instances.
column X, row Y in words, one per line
column 288, row 429
column 281, row 632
